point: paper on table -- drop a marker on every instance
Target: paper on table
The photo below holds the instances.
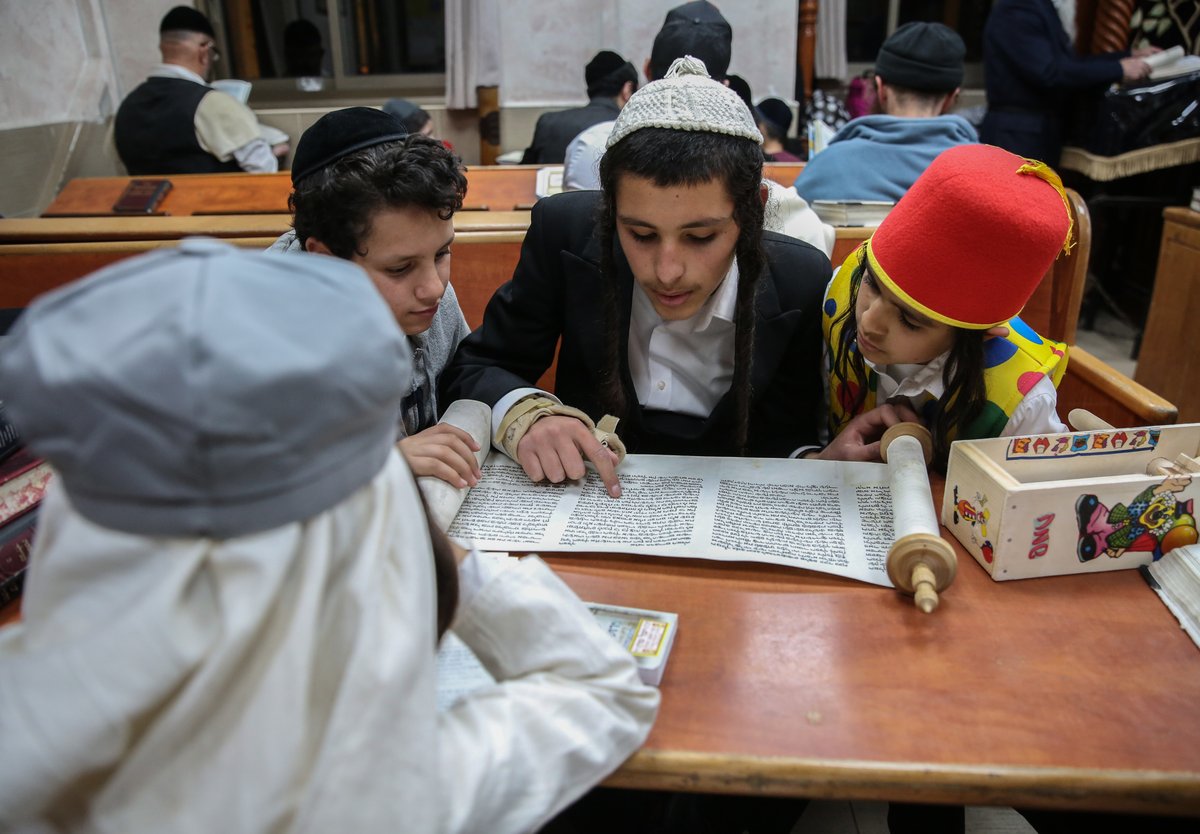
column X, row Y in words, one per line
column 443, row 500
column 833, row 517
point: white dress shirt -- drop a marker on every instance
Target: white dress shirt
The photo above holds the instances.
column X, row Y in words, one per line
column 1036, row 414
column 680, row 366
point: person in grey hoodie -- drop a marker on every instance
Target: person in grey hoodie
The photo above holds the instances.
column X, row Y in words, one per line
column 366, row 191
column 918, row 73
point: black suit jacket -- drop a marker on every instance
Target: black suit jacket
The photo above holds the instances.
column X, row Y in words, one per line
column 554, row 131
column 557, row 292
column 1031, row 70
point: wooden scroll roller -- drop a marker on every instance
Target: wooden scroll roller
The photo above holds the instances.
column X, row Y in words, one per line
column 920, row 561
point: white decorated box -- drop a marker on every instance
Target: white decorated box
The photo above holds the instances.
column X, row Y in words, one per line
column 1073, row 503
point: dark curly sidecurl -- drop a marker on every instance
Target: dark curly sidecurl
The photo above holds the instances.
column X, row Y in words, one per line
column 335, row 205
column 675, row 157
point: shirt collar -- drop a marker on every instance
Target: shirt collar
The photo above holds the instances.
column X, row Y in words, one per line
column 910, row 380
column 176, row 71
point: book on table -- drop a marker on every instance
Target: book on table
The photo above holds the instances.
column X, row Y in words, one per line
column 852, row 212
column 1176, row 579
column 647, row 635
column 23, row 480
column 16, row 542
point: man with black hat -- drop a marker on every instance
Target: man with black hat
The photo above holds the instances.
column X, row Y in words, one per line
column 174, row 123
column 611, row 80
column 697, row 29
column 918, row 73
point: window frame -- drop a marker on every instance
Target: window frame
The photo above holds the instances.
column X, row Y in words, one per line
column 339, row 84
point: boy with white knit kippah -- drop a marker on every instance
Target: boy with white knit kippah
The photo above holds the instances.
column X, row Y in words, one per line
column 678, row 315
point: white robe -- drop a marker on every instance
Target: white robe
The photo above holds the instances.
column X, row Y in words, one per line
column 285, row 681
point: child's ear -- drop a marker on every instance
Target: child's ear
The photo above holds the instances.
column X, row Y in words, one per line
column 764, row 192
column 316, row 247
column 992, row 332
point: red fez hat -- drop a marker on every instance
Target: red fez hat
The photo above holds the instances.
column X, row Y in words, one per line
column 969, row 242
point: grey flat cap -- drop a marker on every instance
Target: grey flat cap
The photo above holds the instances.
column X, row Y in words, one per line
column 209, row 391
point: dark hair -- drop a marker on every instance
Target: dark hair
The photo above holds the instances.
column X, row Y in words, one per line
column 335, row 204
column 965, row 394
column 674, row 157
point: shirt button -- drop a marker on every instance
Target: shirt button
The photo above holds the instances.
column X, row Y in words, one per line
column 661, row 385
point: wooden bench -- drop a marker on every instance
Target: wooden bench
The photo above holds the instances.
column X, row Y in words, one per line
column 95, row 229
column 485, row 259
column 482, row 261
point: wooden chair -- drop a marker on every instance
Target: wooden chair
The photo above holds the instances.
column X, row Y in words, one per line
column 1089, row 382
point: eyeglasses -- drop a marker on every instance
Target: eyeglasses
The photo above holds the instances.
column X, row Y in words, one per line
column 213, row 53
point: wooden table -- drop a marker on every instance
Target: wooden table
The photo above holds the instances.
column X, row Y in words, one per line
column 1075, row 692
column 489, row 188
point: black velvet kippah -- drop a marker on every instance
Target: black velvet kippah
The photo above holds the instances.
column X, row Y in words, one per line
column 777, row 112
column 341, row 133
column 699, row 11
column 605, row 62
column 186, row 19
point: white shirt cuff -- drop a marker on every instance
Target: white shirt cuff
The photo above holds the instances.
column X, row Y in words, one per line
column 508, row 401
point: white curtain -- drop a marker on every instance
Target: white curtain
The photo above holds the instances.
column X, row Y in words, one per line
column 830, row 59
column 472, row 50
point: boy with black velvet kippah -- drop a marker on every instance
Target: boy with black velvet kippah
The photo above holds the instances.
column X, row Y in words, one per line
column 366, row 191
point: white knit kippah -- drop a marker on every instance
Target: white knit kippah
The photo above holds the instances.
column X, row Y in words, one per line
column 686, row 99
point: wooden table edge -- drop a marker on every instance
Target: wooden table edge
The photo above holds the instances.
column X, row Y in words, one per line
column 1058, row 788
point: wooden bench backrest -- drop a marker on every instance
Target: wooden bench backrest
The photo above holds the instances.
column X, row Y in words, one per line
column 86, row 229
column 482, row 261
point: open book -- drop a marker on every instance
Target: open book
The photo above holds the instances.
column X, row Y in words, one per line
column 1176, row 579
column 1171, row 63
column 828, row 516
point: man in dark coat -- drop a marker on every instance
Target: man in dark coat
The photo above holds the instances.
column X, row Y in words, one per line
column 1031, row 70
column 611, row 80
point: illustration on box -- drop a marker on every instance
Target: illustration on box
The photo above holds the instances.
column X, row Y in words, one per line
column 1077, row 502
column 1154, row 521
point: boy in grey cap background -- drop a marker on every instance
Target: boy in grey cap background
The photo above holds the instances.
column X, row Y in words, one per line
column 230, row 615
column 366, row 191
column 918, row 73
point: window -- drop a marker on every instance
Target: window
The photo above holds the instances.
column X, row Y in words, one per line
column 342, row 45
column 869, row 22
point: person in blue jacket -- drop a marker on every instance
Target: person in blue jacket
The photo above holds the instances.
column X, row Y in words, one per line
column 918, row 73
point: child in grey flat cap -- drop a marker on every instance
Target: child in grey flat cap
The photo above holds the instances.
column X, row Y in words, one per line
column 230, row 618
column 677, row 313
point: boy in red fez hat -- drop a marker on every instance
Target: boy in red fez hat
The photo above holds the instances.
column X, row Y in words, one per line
column 937, row 326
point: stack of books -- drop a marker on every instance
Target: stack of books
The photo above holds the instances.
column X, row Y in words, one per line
column 23, row 481
column 1176, row 579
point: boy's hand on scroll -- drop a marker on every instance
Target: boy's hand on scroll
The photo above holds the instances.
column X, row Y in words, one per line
column 443, row 451
column 554, row 449
column 859, row 440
